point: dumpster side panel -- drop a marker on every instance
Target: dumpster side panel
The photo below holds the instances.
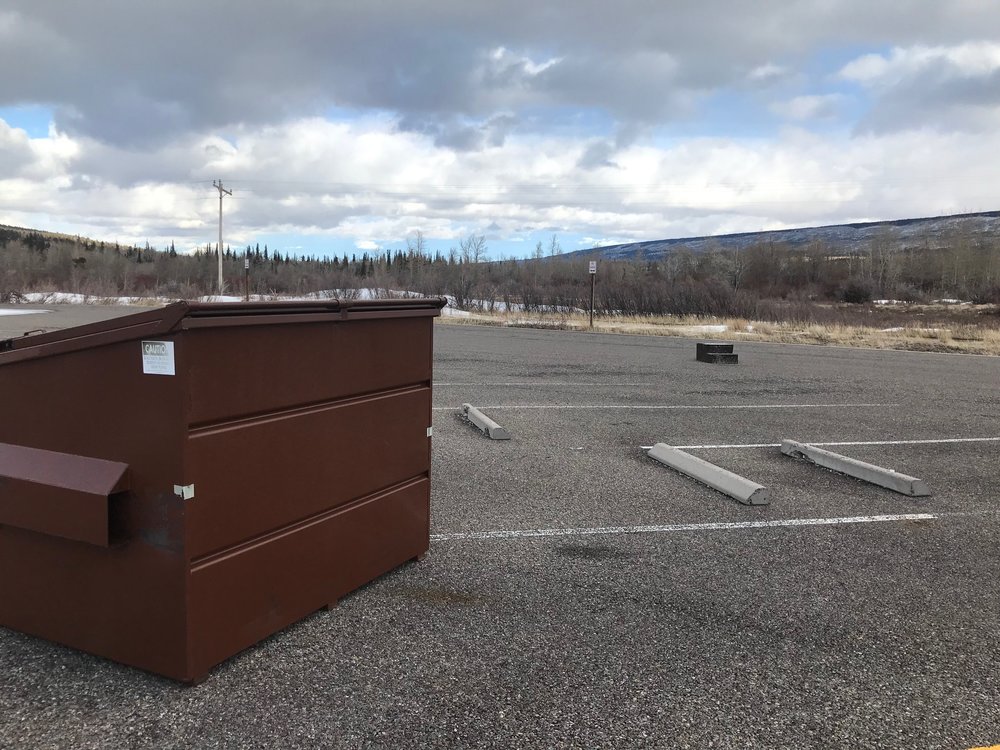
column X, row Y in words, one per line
column 124, row 602
column 260, row 475
column 247, row 370
column 245, row 594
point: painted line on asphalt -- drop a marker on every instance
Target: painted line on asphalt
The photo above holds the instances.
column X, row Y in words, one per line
column 542, row 383
column 863, row 349
column 932, row 441
column 680, row 527
column 670, row 407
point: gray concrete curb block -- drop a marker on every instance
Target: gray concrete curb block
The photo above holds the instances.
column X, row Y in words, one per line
column 737, row 487
column 887, row 478
column 484, row 423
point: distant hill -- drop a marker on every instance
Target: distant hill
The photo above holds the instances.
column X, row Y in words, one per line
column 847, row 238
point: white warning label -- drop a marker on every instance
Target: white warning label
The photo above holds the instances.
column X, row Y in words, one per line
column 158, row 357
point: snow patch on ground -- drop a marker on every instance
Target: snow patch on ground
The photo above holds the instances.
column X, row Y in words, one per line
column 451, row 309
column 220, row 298
column 707, row 329
column 69, row 298
column 479, row 305
column 323, row 294
column 23, row 312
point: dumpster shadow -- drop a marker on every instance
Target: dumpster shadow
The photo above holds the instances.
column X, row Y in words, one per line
column 29, row 663
column 435, row 595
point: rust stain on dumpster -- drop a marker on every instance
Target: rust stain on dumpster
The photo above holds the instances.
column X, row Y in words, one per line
column 296, row 432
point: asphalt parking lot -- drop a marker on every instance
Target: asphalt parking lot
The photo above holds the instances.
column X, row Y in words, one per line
column 577, row 594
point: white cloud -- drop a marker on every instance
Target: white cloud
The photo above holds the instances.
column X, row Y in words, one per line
column 371, row 184
column 768, row 74
column 503, row 61
column 809, row 107
column 949, row 88
column 969, row 60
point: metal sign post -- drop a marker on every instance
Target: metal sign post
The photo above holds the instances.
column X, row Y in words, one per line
column 593, row 279
column 246, row 277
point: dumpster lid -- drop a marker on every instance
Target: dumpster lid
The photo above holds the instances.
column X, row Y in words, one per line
column 179, row 316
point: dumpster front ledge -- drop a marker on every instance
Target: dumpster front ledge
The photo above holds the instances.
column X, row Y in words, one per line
column 59, row 494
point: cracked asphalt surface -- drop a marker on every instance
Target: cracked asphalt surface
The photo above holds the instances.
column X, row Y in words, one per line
column 849, row 635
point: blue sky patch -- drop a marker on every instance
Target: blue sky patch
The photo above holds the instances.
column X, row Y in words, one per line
column 32, row 119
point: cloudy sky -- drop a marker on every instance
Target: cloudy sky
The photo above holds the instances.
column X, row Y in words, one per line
column 346, row 125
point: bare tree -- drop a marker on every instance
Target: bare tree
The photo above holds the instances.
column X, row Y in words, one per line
column 473, row 248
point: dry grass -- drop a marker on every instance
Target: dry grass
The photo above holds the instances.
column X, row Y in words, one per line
column 961, row 338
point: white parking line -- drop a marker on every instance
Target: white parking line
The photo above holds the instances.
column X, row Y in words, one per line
column 680, row 407
column 933, row 441
column 543, row 383
column 680, row 527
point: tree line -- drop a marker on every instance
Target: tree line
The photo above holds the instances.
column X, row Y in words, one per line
column 764, row 281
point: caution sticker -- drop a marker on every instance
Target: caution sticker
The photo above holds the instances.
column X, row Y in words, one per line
column 158, row 357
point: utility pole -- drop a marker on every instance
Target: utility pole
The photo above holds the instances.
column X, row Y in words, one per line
column 222, row 191
column 593, row 277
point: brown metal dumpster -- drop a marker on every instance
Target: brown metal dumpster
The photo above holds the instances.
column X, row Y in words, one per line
column 178, row 484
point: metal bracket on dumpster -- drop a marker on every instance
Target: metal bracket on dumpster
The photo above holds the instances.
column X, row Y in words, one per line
column 184, row 492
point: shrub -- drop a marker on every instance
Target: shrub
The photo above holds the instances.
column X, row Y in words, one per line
column 856, row 293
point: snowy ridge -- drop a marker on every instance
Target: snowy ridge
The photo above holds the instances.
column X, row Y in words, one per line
column 848, row 238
